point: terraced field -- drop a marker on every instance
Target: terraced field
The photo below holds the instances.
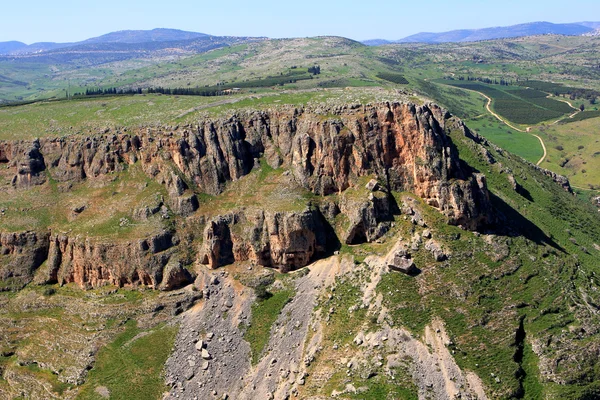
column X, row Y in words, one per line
column 519, row 105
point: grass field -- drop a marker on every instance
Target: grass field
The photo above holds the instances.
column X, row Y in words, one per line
column 574, row 151
column 470, row 106
column 560, row 89
column 88, row 116
column 392, row 77
column 583, row 116
column 461, row 103
column 264, row 314
column 60, row 327
column 49, row 206
column 519, row 143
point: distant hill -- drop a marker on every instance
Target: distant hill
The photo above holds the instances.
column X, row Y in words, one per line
column 377, row 42
column 39, row 47
column 129, row 37
column 593, row 33
column 589, row 24
column 140, row 36
column 472, row 35
column 8, row 47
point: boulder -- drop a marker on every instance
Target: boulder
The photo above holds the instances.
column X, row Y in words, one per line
column 372, row 185
column 175, row 276
column 436, row 250
column 399, row 259
column 403, row 264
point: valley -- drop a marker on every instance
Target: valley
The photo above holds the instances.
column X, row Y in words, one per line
column 300, row 218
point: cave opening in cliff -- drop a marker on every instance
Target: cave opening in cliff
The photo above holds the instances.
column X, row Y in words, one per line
column 358, row 235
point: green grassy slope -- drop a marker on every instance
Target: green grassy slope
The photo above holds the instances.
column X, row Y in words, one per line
column 544, row 276
column 515, row 300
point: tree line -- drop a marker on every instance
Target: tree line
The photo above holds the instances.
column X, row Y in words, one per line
column 315, row 70
column 188, row 91
column 502, row 81
column 108, row 91
column 152, row 90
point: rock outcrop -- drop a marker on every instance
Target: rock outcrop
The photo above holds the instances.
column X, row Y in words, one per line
column 175, row 276
column 91, row 264
column 26, row 161
column 404, row 144
column 284, row 240
column 21, row 254
column 400, row 259
column 369, row 218
column 326, row 151
column 59, row 258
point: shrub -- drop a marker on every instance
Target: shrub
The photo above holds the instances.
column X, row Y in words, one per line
column 261, row 291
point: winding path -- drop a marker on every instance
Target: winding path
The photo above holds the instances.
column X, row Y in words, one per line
column 577, row 111
column 582, row 188
column 543, row 147
column 499, row 118
column 528, row 129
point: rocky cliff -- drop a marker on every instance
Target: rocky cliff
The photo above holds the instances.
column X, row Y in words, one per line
column 326, row 151
column 58, row 258
column 21, row 254
column 282, row 240
column 91, row 264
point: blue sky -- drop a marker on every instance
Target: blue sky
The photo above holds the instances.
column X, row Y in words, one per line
column 63, row 21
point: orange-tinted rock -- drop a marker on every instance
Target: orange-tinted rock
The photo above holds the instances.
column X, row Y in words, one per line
column 405, row 146
column 284, row 240
column 92, row 263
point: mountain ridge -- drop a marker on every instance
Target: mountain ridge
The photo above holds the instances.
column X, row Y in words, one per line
column 124, row 37
column 460, row 35
column 498, row 32
column 8, row 47
column 142, row 36
column 305, row 170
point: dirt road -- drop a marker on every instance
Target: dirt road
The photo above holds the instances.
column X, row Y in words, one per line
column 499, row 118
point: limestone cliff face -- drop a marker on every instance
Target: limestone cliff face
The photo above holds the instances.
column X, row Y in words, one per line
column 92, row 264
column 59, row 258
column 370, row 218
column 404, row 144
column 326, row 150
column 26, row 162
column 282, row 240
column 21, row 254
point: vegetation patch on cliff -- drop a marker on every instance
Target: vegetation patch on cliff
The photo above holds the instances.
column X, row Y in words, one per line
column 264, row 313
column 131, row 366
